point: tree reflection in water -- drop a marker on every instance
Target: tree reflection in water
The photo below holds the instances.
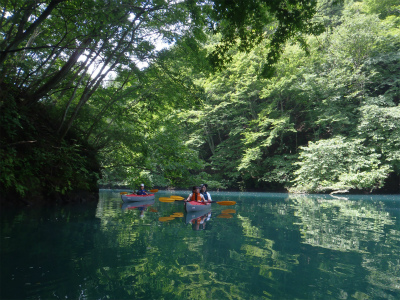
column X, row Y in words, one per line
column 272, row 246
column 364, row 227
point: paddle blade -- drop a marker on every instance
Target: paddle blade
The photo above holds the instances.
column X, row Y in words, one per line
column 154, row 191
column 227, row 203
column 165, row 199
column 165, row 219
column 123, row 193
column 229, row 211
column 177, row 215
column 179, row 198
column 224, row 216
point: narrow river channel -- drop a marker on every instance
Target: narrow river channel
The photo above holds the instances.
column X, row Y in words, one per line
column 267, row 246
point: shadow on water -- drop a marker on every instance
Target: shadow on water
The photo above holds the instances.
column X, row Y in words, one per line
column 267, row 246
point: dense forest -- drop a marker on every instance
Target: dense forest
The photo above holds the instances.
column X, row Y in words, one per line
column 295, row 95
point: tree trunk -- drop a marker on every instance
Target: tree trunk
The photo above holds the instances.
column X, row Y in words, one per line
column 52, row 82
column 92, row 85
column 70, row 101
column 113, row 99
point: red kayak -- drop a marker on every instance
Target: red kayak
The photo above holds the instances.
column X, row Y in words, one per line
column 196, row 206
column 136, row 198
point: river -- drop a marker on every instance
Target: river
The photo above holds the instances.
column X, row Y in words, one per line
column 266, row 246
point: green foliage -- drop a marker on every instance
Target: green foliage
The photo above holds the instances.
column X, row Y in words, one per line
column 147, row 143
column 73, row 93
column 76, row 61
column 251, row 128
column 338, row 164
column 383, row 8
column 245, row 24
column 381, row 127
column 35, row 165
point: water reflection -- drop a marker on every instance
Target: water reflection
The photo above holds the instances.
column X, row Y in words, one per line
column 140, row 206
column 267, row 246
column 360, row 226
column 340, row 224
column 198, row 219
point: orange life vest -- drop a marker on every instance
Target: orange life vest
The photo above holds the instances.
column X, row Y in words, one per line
column 196, row 197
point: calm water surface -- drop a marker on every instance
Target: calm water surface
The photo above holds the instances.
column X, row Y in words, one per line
column 267, row 246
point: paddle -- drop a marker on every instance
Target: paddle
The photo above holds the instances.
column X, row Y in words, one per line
column 165, row 219
column 153, row 191
column 227, row 203
column 166, row 199
column 224, row 216
column 177, row 215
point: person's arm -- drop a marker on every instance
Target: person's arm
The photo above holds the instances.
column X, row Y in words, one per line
column 202, row 199
column 187, row 199
column 209, row 197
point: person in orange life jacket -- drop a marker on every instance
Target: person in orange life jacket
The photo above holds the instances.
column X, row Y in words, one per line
column 142, row 191
column 195, row 195
column 204, row 192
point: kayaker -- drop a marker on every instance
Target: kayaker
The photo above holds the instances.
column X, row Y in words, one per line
column 195, row 195
column 204, row 192
column 142, row 191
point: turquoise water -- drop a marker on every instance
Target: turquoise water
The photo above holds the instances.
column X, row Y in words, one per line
column 267, row 246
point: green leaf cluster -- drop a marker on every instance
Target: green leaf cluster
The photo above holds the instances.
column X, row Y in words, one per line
column 292, row 130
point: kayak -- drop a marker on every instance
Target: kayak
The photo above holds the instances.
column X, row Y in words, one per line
column 136, row 204
column 137, row 198
column 196, row 206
